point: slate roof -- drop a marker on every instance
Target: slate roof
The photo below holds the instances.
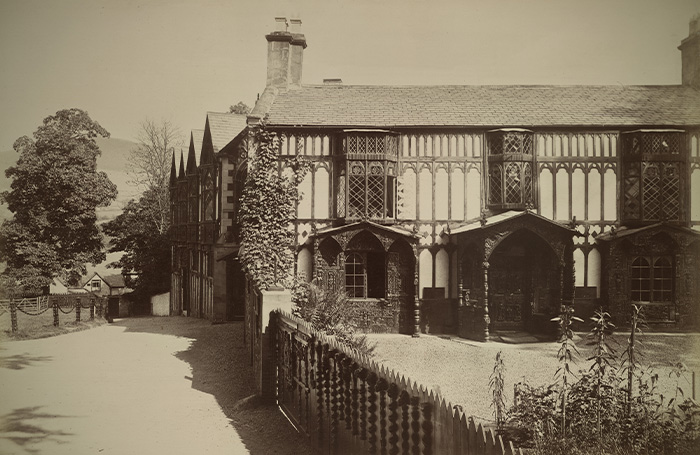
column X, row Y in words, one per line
column 225, row 127
column 502, row 217
column 358, row 224
column 624, row 231
column 114, row 281
column 486, row 106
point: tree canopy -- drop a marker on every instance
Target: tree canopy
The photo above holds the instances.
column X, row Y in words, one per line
column 146, row 251
column 239, row 108
column 54, row 192
column 142, row 230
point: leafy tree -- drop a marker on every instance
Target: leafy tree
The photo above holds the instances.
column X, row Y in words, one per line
column 240, row 108
column 146, row 251
column 141, row 231
column 54, row 193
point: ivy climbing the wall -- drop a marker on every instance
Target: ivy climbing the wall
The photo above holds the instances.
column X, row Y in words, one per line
column 268, row 206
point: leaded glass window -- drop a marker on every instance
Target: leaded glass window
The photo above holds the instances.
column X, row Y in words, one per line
column 651, row 185
column 367, row 183
column 510, row 159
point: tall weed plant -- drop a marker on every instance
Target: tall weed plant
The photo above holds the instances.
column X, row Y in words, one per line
column 612, row 407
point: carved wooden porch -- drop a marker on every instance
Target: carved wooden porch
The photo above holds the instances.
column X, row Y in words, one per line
column 656, row 267
column 377, row 267
column 515, row 270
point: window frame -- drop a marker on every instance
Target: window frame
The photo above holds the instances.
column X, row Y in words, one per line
column 358, row 181
column 649, row 173
column 648, row 277
column 501, row 159
column 362, row 264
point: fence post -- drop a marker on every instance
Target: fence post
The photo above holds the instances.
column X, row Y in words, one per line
column 92, row 308
column 77, row 309
column 55, row 313
column 13, row 315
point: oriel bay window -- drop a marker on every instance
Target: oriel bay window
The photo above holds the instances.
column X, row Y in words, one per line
column 652, row 187
column 366, row 183
column 510, row 161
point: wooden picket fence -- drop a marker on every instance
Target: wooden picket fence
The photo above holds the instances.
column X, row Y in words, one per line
column 347, row 404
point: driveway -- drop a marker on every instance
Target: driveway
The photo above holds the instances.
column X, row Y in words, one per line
column 145, row 385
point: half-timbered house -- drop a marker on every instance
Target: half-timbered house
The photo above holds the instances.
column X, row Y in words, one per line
column 462, row 209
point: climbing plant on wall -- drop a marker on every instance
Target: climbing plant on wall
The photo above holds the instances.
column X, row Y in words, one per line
column 268, row 206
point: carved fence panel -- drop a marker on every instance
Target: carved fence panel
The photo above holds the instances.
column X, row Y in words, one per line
column 348, row 404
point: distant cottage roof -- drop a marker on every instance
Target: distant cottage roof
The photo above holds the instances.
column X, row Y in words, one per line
column 114, row 281
column 488, row 105
column 224, row 127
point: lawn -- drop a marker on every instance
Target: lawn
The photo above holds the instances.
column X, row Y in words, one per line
column 41, row 326
column 459, row 369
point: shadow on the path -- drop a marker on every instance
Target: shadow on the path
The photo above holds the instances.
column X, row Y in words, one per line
column 221, row 367
column 21, row 427
column 21, row 361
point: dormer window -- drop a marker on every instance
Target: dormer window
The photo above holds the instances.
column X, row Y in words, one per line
column 653, row 163
column 367, row 181
column 510, row 157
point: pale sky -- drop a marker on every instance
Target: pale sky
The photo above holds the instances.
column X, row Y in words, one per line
column 125, row 60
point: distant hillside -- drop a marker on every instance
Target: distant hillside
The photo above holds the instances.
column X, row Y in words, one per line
column 114, row 161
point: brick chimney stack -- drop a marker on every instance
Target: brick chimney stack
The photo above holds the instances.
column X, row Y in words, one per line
column 285, row 54
column 690, row 54
column 296, row 56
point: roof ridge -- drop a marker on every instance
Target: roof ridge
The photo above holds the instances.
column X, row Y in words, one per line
column 426, row 86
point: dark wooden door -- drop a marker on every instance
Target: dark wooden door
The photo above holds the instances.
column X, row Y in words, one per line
column 113, row 306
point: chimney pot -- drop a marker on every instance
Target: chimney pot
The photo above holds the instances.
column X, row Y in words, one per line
column 281, row 24
column 295, row 25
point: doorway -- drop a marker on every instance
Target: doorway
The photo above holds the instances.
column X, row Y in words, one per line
column 524, row 283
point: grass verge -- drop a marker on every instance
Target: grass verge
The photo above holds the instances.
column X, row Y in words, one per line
column 41, row 326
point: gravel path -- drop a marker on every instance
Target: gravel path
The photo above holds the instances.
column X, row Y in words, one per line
column 459, row 369
column 145, row 385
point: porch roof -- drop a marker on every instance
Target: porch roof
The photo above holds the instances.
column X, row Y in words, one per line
column 627, row 232
column 494, row 220
column 366, row 223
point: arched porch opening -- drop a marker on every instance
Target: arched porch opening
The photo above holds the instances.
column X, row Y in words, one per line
column 524, row 283
column 374, row 266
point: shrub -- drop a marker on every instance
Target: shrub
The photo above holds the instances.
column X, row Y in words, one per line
column 327, row 312
column 605, row 412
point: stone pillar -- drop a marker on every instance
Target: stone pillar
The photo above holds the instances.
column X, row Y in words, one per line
column 220, row 284
column 13, row 315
